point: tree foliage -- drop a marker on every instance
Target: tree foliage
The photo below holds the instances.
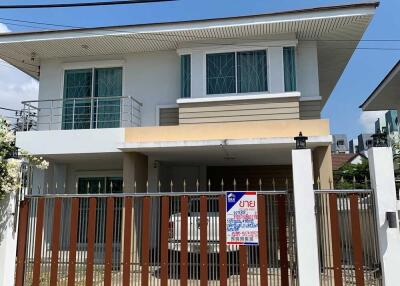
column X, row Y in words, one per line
column 352, row 176
column 11, row 159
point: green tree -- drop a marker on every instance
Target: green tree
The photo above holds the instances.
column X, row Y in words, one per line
column 352, row 176
column 11, row 159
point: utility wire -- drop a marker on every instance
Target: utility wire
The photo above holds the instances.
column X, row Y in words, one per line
column 9, row 109
column 81, row 4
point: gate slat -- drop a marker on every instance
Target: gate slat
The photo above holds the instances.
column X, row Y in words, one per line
column 335, row 236
column 283, row 239
column 243, row 265
column 184, row 241
column 356, row 239
column 22, row 238
column 55, row 240
column 262, row 236
column 145, row 240
column 109, row 241
column 38, row 242
column 164, row 240
column 91, row 234
column 222, row 242
column 72, row 241
column 127, row 241
column 203, row 242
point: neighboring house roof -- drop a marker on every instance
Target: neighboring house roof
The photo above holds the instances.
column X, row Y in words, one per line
column 338, row 160
column 386, row 94
column 337, row 30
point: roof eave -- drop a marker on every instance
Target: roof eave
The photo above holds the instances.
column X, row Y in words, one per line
column 377, row 91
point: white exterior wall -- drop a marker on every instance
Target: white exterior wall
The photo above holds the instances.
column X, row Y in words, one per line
column 307, row 69
column 153, row 78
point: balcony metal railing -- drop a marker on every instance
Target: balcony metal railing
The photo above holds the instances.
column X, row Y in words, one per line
column 81, row 113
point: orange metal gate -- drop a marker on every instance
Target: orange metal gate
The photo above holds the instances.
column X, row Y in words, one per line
column 151, row 239
column 348, row 241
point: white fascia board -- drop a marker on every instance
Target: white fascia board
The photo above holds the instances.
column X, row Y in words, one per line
column 290, row 16
column 82, row 141
column 216, row 98
column 312, row 140
column 310, row 98
column 94, row 64
column 236, row 47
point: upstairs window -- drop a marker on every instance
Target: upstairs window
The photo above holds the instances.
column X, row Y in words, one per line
column 252, row 71
column 289, row 67
column 91, row 98
column 236, row 72
column 340, row 143
column 185, row 76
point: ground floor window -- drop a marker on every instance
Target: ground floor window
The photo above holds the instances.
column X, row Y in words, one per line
column 99, row 185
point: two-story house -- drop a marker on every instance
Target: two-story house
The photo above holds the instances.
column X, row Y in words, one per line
column 194, row 101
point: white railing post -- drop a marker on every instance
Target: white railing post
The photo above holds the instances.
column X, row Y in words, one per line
column 306, row 226
column 73, row 114
column 8, row 240
column 383, row 183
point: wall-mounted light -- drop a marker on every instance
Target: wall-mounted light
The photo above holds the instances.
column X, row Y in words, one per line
column 301, row 141
column 379, row 139
column 391, row 219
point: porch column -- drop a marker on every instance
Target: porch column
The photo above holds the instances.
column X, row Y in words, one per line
column 383, row 183
column 306, row 226
column 322, row 162
column 8, row 240
column 135, row 170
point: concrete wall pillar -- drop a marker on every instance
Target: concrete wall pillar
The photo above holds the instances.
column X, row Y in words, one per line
column 306, row 226
column 135, row 170
column 383, row 184
column 322, row 165
column 8, row 240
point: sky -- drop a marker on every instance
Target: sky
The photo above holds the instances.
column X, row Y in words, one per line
column 362, row 74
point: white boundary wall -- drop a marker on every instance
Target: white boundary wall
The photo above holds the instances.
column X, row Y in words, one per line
column 306, row 225
column 383, row 184
column 8, row 240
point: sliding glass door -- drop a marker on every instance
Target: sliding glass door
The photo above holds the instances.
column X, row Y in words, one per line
column 107, row 86
column 91, row 98
column 76, row 104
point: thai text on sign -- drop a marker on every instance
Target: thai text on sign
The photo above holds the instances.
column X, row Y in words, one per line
column 241, row 218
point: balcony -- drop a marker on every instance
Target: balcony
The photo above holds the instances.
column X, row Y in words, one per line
column 81, row 113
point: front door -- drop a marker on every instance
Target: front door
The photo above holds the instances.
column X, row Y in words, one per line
column 100, row 185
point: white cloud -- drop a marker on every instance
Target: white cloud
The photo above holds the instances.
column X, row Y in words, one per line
column 368, row 118
column 15, row 86
column 4, row 28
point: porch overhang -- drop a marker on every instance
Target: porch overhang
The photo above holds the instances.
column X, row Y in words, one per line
column 252, row 143
column 386, row 94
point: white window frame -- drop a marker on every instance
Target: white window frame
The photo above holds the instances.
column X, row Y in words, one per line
column 93, row 66
column 180, row 74
column 235, row 51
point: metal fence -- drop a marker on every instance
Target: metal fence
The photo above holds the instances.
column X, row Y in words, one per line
column 81, row 113
column 151, row 239
column 347, row 234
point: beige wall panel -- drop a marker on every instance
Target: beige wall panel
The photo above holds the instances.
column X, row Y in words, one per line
column 230, row 130
column 239, row 118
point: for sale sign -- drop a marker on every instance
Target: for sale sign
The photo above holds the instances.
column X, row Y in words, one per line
column 241, row 218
